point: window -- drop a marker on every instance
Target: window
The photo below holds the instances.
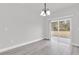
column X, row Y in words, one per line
column 54, row 26
column 61, row 28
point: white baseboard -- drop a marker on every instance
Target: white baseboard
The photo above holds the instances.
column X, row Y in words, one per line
column 19, row 45
column 74, row 44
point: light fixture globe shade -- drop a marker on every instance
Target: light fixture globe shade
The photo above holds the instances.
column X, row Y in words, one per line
column 43, row 13
column 48, row 12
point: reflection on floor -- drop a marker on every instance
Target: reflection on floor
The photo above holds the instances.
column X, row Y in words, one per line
column 63, row 46
column 55, row 46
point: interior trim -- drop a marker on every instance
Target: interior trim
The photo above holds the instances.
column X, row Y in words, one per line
column 19, row 45
column 74, row 44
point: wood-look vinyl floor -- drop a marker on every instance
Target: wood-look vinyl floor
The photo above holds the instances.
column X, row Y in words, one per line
column 44, row 47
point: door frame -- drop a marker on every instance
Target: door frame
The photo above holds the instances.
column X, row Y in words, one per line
column 61, row 19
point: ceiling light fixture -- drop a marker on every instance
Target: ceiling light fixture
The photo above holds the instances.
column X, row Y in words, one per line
column 45, row 11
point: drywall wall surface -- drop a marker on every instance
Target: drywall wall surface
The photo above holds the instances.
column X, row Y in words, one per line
column 75, row 27
column 19, row 23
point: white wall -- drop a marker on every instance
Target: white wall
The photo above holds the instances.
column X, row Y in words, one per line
column 46, row 34
column 19, row 23
column 72, row 10
column 75, row 25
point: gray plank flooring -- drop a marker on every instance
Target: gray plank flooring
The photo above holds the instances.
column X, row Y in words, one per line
column 43, row 47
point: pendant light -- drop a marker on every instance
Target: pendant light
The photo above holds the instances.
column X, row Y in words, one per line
column 45, row 11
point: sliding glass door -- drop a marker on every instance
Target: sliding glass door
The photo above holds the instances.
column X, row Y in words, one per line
column 61, row 28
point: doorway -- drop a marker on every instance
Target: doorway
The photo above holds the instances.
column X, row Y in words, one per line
column 61, row 30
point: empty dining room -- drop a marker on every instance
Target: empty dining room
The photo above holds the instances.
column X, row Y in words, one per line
column 39, row 29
